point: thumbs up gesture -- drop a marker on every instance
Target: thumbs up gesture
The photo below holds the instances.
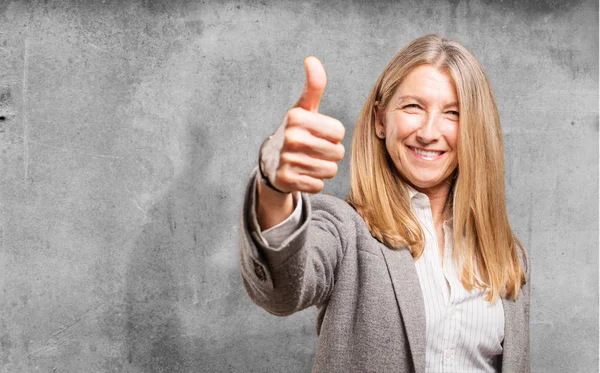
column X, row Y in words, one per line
column 307, row 145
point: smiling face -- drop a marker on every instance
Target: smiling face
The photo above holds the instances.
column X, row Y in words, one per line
column 420, row 124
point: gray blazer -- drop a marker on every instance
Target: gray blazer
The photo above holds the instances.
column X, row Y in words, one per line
column 371, row 315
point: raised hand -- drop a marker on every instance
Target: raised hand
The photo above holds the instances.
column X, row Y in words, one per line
column 306, row 147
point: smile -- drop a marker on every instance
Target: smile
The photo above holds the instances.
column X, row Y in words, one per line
column 428, row 155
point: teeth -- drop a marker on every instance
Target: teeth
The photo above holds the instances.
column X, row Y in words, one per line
column 427, row 153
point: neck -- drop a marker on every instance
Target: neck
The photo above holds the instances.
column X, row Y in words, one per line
column 438, row 196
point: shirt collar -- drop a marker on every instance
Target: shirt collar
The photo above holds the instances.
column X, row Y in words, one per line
column 411, row 191
column 417, row 198
column 420, row 199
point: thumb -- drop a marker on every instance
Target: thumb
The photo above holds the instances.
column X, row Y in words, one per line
column 316, row 79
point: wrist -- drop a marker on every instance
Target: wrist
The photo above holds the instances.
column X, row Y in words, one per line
column 270, row 196
column 272, row 207
column 263, row 176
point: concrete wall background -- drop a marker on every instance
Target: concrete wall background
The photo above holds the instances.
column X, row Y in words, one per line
column 128, row 129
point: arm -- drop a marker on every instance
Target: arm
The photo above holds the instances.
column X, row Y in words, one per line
column 302, row 153
column 272, row 207
column 275, row 235
column 300, row 272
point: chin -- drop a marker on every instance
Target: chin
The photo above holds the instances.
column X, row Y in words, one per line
column 428, row 182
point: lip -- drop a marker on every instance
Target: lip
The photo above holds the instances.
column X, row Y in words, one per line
column 428, row 159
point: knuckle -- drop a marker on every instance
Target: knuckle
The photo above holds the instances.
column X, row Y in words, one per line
column 298, row 141
column 287, row 136
column 283, row 176
column 285, row 158
column 290, row 138
column 294, row 115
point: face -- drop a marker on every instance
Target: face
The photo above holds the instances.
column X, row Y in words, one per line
column 420, row 124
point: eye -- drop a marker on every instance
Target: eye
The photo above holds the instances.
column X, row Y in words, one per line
column 411, row 106
column 453, row 112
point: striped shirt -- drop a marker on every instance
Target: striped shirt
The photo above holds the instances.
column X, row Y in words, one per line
column 464, row 331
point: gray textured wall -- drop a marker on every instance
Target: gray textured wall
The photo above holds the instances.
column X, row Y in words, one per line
column 128, row 129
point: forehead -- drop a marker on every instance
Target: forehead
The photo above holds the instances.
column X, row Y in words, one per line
column 428, row 83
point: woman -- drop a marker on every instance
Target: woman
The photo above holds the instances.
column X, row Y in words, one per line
column 419, row 269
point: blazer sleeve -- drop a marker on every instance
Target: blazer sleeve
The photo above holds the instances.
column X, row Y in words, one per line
column 301, row 271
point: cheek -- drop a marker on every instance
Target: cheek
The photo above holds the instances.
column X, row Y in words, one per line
column 450, row 133
column 402, row 125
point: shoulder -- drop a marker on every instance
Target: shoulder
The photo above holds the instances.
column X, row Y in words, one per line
column 337, row 212
column 525, row 260
column 334, row 206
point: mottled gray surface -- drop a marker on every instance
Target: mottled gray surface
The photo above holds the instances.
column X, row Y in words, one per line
column 127, row 131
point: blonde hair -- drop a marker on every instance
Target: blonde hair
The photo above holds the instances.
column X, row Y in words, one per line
column 484, row 244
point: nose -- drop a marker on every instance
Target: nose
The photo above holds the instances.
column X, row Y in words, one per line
column 429, row 131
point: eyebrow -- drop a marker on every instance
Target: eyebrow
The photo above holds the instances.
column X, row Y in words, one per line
column 402, row 98
column 420, row 100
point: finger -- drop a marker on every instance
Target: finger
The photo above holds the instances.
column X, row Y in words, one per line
column 316, row 79
column 288, row 179
column 309, row 184
column 319, row 125
column 301, row 141
column 326, row 151
column 304, row 164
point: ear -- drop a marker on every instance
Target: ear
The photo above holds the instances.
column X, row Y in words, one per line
column 379, row 126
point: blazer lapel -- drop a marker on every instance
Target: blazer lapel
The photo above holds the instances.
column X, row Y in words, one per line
column 407, row 288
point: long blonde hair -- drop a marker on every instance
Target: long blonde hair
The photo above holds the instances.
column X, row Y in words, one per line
column 485, row 246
